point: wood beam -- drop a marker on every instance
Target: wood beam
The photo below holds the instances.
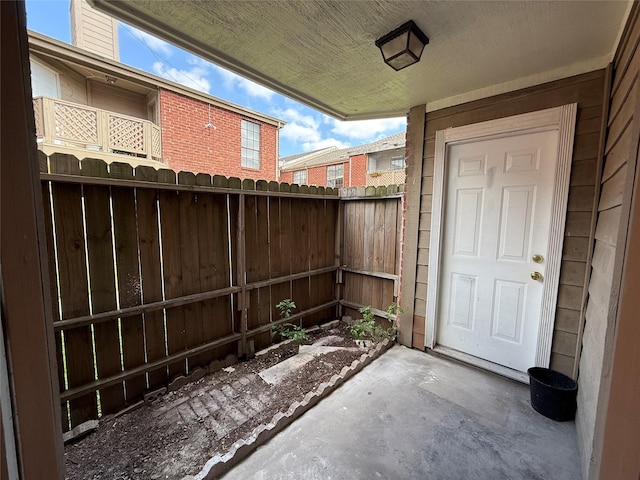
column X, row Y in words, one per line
column 25, row 305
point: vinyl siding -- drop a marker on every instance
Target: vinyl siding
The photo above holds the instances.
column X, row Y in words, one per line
column 620, row 148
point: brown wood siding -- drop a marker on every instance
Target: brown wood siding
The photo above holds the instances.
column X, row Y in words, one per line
column 620, row 156
column 587, row 91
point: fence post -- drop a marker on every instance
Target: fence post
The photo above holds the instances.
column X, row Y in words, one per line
column 339, row 241
column 243, row 299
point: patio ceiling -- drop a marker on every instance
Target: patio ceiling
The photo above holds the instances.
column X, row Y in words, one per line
column 322, row 53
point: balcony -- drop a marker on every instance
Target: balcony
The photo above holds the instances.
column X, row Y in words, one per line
column 385, row 177
column 84, row 131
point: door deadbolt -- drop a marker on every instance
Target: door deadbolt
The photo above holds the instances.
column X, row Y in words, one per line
column 538, row 258
column 536, row 275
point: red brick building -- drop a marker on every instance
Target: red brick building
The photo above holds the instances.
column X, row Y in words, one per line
column 200, row 137
column 373, row 164
column 88, row 104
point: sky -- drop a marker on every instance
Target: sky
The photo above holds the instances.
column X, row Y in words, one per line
column 306, row 129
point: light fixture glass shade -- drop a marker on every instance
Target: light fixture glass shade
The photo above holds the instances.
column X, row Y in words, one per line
column 403, row 46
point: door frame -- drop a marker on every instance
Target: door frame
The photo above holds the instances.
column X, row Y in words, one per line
column 561, row 119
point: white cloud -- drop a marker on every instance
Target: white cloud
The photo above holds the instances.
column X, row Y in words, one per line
column 305, row 130
column 368, row 129
column 159, row 46
column 324, row 143
column 232, row 81
column 195, row 77
column 296, row 132
column 299, row 126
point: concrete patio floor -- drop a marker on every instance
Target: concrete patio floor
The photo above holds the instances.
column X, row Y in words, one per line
column 410, row 415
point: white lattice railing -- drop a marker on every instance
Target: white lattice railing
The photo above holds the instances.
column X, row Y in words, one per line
column 61, row 123
column 384, row 178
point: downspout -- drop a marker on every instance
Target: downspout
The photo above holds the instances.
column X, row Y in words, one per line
column 350, row 172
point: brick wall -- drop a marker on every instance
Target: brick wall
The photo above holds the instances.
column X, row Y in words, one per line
column 286, row 177
column 358, row 171
column 354, row 175
column 188, row 145
column 317, row 176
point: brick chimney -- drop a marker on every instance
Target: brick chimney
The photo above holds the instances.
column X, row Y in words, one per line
column 94, row 31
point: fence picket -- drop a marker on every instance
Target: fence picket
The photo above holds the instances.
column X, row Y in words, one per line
column 74, row 292
column 53, row 287
column 190, row 263
column 214, row 267
column 128, row 278
column 150, row 272
column 263, row 301
column 392, row 231
column 102, row 280
column 172, row 268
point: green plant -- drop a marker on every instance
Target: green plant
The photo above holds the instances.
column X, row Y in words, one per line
column 290, row 331
column 366, row 328
column 285, row 307
column 393, row 310
column 363, row 327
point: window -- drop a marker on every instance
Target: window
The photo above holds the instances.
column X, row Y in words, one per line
column 397, row 163
column 335, row 176
column 44, row 81
column 385, row 162
column 300, row 177
column 250, row 144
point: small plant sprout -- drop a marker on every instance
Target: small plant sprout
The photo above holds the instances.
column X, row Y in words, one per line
column 392, row 311
column 285, row 307
column 288, row 330
column 366, row 328
column 293, row 332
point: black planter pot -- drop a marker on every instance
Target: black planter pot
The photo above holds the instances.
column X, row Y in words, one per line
column 553, row 394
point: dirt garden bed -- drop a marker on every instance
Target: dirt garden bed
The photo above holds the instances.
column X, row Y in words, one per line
column 208, row 425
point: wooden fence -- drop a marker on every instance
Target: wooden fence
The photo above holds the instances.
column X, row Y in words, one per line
column 372, row 225
column 157, row 273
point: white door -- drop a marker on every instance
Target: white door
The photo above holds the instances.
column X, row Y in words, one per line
column 497, row 212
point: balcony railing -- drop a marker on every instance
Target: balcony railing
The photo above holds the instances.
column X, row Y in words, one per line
column 68, row 127
column 385, row 177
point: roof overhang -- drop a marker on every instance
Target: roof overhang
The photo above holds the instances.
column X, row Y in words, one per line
column 323, row 53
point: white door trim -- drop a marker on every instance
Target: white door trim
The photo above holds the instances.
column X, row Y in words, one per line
column 562, row 119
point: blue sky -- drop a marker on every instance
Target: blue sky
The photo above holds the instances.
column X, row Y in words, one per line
column 306, row 129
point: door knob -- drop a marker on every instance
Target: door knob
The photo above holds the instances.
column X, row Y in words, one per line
column 537, row 258
column 536, row 275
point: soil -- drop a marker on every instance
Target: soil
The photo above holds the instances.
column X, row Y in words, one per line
column 176, row 435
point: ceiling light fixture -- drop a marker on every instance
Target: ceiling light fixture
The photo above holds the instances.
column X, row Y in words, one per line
column 403, row 46
column 110, row 80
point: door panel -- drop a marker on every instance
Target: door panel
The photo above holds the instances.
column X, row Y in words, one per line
column 468, row 215
column 515, row 222
column 463, row 294
column 508, row 310
column 497, row 208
